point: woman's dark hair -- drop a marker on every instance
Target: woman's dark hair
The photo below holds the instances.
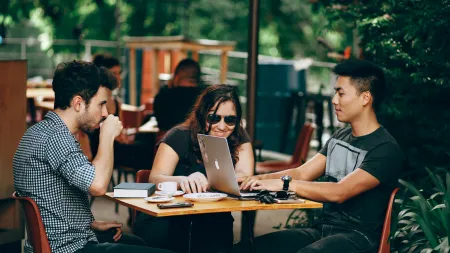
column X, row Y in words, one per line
column 105, row 60
column 75, row 78
column 196, row 120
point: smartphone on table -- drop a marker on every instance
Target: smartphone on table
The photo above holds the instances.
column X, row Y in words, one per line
column 175, row 205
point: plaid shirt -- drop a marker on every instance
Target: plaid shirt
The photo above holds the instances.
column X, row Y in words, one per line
column 50, row 167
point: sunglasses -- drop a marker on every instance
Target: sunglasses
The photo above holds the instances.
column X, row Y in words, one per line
column 214, row 119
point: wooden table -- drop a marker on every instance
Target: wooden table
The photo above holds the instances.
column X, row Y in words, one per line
column 225, row 205
column 40, row 92
column 46, row 105
column 35, row 94
column 148, row 127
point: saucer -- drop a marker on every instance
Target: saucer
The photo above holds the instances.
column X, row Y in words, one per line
column 159, row 199
column 205, row 197
column 177, row 193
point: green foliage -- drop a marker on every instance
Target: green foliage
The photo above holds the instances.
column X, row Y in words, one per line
column 423, row 222
column 410, row 40
column 288, row 28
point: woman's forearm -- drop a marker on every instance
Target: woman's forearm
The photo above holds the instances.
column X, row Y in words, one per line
column 243, row 174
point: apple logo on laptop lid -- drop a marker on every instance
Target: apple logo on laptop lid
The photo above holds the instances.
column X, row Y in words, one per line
column 217, row 164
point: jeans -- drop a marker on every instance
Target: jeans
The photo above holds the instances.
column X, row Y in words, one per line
column 320, row 238
column 127, row 243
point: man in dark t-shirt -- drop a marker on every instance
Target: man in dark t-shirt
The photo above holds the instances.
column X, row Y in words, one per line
column 361, row 165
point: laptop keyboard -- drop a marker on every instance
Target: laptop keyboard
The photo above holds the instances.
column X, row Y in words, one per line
column 248, row 191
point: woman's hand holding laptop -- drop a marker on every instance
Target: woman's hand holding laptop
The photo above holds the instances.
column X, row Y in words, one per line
column 194, row 183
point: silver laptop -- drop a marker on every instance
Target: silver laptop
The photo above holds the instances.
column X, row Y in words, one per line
column 219, row 165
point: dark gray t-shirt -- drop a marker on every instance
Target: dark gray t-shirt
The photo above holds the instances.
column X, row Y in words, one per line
column 377, row 153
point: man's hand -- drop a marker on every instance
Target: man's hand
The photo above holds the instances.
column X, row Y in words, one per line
column 111, row 126
column 269, row 184
column 247, row 181
column 196, row 182
column 106, row 225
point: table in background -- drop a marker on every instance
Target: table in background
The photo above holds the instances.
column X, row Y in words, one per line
column 37, row 94
column 45, row 93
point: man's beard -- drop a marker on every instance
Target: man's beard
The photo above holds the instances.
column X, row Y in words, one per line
column 86, row 124
column 85, row 128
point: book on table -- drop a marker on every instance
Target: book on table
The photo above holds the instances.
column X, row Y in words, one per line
column 134, row 190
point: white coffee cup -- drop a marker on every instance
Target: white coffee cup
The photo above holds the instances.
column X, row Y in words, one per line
column 167, row 187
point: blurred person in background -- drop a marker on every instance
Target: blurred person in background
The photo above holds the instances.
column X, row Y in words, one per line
column 173, row 103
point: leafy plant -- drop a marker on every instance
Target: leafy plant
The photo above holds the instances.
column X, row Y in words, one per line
column 423, row 223
column 410, row 40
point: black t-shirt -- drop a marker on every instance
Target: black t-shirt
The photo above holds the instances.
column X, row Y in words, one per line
column 172, row 105
column 377, row 153
column 179, row 139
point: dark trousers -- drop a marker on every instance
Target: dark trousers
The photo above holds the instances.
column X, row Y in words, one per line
column 320, row 238
column 129, row 239
column 206, row 233
column 127, row 243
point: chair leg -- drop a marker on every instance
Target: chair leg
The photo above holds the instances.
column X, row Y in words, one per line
column 119, row 175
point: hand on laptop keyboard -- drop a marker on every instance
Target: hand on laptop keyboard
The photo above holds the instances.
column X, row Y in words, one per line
column 246, row 182
column 196, row 182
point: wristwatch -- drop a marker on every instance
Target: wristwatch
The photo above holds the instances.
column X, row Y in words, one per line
column 286, row 179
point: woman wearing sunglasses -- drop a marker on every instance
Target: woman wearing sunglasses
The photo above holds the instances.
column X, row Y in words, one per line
column 217, row 112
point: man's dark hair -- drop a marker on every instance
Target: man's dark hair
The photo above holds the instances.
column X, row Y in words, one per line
column 75, row 78
column 108, row 79
column 365, row 76
column 188, row 68
column 105, row 60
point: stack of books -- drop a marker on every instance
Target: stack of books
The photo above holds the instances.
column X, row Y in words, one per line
column 134, row 190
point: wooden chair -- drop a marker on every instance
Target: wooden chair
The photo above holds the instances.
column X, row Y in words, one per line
column 131, row 117
column 384, row 242
column 141, row 177
column 298, row 157
column 35, row 226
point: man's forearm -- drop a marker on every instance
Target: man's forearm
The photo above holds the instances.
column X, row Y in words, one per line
column 104, row 162
column 318, row 191
column 291, row 172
